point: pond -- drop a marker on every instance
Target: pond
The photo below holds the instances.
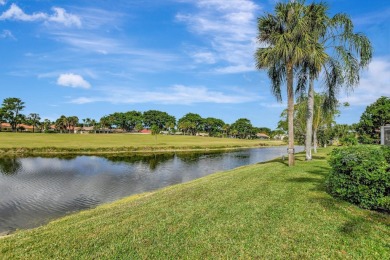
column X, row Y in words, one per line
column 35, row 190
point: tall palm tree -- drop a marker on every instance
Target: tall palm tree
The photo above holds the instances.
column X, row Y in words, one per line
column 346, row 54
column 286, row 41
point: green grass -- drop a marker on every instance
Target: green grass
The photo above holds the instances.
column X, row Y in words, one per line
column 267, row 211
column 17, row 143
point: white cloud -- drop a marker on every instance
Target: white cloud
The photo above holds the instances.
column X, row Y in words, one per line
column 15, row 13
column 73, row 81
column 229, row 27
column 7, row 34
column 59, row 16
column 178, row 94
column 2, row 2
column 204, row 57
column 374, row 83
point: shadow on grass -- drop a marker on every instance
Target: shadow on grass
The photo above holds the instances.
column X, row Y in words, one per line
column 354, row 227
column 357, row 222
column 277, row 160
column 318, row 157
column 305, row 180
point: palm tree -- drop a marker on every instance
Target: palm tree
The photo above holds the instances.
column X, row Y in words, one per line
column 287, row 41
column 62, row 123
column 33, row 119
column 346, row 54
column 45, row 125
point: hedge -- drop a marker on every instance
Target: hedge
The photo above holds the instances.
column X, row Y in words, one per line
column 361, row 175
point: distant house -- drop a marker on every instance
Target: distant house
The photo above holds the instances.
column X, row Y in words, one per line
column 6, row 127
column 202, row 134
column 280, row 137
column 26, row 128
column 145, row 131
column 262, row 136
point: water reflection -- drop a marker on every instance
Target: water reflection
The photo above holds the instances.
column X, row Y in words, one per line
column 9, row 166
column 36, row 189
column 153, row 160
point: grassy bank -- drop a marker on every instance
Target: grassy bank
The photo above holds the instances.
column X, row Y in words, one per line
column 266, row 211
column 28, row 143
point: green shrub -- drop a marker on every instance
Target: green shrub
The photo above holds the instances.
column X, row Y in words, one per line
column 360, row 175
column 386, row 153
column 348, row 140
column 384, row 203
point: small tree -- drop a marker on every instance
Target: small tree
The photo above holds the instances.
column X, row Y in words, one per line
column 155, row 131
column 11, row 108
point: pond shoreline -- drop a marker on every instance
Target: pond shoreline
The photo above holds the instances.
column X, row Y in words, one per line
column 25, row 151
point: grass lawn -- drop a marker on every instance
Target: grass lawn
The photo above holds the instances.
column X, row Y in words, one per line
column 30, row 143
column 265, row 211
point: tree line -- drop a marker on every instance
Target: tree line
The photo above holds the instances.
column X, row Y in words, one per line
column 325, row 129
column 131, row 121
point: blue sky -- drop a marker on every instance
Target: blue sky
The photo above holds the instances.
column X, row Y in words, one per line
column 93, row 58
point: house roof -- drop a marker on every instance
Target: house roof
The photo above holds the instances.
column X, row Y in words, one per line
column 145, row 131
column 6, row 125
column 262, row 135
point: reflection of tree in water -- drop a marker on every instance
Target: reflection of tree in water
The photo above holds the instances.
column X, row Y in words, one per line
column 67, row 157
column 9, row 166
column 193, row 157
column 152, row 159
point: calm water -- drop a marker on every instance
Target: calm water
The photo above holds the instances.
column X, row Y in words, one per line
column 35, row 190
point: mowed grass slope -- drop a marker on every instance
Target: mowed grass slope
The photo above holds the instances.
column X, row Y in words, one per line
column 118, row 142
column 267, row 211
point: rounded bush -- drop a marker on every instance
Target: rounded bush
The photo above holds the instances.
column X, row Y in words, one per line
column 360, row 174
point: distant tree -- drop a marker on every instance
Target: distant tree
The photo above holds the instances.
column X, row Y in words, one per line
column 106, row 122
column 170, row 127
column 375, row 116
column 73, row 121
column 11, row 109
column 226, row 129
column 94, row 124
column 86, row 122
column 117, row 120
column 33, row 120
column 213, row 126
column 61, row 124
column 192, row 123
column 45, row 125
column 243, row 128
column 132, row 119
column 186, row 126
column 158, row 118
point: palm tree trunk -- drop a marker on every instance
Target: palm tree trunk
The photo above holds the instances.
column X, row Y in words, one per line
column 309, row 120
column 315, row 140
column 290, row 96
